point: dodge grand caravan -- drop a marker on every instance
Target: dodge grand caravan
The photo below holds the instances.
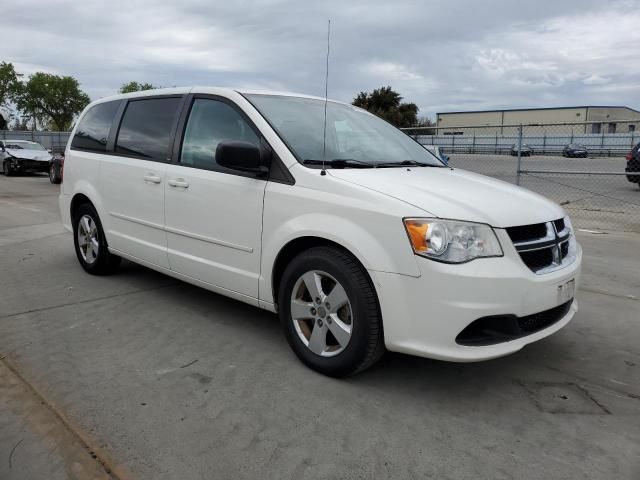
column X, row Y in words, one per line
column 360, row 239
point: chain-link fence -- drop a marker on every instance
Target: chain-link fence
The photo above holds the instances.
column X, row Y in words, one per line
column 588, row 168
column 54, row 141
column 582, row 166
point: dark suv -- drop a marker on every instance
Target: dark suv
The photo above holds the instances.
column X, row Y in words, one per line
column 633, row 165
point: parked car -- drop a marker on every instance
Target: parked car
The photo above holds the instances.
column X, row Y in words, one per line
column 438, row 153
column 525, row 150
column 359, row 238
column 573, row 150
column 23, row 156
column 55, row 169
column 633, row 165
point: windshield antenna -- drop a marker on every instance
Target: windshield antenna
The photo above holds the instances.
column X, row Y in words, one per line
column 326, row 93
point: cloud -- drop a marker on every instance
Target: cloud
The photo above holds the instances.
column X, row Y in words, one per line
column 596, row 80
column 390, row 72
column 439, row 54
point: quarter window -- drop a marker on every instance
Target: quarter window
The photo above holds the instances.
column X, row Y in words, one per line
column 93, row 130
column 147, row 127
column 211, row 122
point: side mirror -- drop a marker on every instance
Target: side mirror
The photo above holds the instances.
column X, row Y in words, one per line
column 445, row 159
column 241, row 156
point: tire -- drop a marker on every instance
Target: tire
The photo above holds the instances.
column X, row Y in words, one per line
column 360, row 315
column 54, row 174
column 6, row 169
column 99, row 262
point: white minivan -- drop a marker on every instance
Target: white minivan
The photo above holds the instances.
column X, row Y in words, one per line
column 358, row 237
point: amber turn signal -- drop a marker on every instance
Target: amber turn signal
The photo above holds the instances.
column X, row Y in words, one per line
column 417, row 232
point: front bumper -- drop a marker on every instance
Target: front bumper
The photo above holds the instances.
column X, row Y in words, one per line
column 424, row 315
column 25, row 165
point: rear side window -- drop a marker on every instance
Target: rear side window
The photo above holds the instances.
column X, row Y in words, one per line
column 93, row 130
column 147, row 128
column 210, row 122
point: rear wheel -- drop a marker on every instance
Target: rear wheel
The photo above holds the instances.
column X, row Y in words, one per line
column 90, row 243
column 329, row 312
column 54, row 173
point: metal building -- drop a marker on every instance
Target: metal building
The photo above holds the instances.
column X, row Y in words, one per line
column 590, row 119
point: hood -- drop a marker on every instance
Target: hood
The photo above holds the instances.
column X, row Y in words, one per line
column 457, row 194
column 42, row 155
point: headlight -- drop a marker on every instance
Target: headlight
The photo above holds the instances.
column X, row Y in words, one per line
column 451, row 241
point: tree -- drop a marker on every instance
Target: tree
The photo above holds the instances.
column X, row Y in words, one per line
column 387, row 104
column 52, row 99
column 8, row 82
column 135, row 87
column 422, row 127
column 20, row 124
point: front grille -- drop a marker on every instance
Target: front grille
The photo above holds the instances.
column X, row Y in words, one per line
column 527, row 232
column 537, row 259
column 559, row 224
column 29, row 164
column 543, row 247
column 503, row 328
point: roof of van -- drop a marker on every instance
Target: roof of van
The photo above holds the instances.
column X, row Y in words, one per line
column 210, row 90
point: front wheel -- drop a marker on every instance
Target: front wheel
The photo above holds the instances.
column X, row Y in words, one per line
column 330, row 313
column 90, row 243
column 6, row 168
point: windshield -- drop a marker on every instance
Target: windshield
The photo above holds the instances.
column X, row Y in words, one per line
column 352, row 133
column 22, row 145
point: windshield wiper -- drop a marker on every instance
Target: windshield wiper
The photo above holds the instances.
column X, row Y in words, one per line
column 340, row 163
column 406, row 163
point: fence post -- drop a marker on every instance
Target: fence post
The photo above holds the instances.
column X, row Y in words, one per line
column 519, row 155
column 544, row 141
column 495, row 150
column 473, row 148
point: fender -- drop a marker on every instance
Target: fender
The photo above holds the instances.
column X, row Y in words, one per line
column 85, row 188
column 361, row 242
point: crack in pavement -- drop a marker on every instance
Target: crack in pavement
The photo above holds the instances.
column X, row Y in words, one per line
column 614, row 295
column 80, row 302
column 13, row 450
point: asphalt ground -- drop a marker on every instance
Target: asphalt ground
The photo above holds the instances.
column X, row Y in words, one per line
column 140, row 376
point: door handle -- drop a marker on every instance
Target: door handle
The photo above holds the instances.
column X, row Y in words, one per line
column 151, row 178
column 179, row 183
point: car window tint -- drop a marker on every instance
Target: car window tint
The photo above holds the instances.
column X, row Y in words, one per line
column 93, row 130
column 211, row 122
column 146, row 128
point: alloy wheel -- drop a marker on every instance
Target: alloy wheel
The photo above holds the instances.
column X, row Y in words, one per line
column 88, row 242
column 321, row 313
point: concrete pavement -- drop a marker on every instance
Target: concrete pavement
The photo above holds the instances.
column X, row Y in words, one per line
column 163, row 380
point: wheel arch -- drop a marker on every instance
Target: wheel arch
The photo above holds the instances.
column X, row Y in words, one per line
column 298, row 245
column 77, row 200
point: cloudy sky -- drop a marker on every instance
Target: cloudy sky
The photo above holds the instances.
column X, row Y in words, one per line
column 441, row 54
